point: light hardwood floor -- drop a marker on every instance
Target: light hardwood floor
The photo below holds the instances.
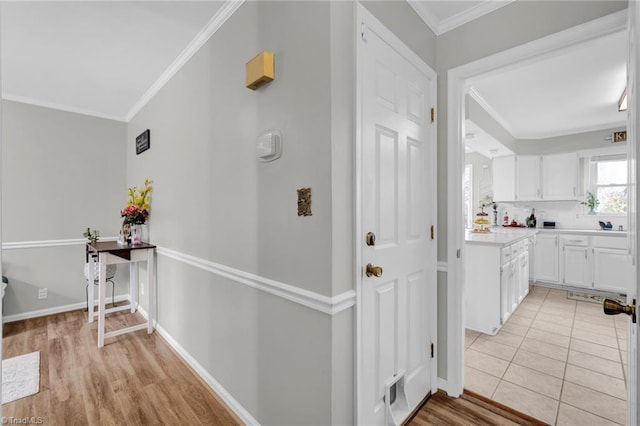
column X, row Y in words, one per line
column 135, row 379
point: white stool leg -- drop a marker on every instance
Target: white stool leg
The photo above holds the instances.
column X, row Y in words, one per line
column 90, row 294
column 101, row 298
column 133, row 286
column 151, row 292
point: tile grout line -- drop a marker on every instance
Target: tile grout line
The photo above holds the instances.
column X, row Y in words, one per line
column 539, row 311
column 566, row 363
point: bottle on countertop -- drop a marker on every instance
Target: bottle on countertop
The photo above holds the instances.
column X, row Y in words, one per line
column 505, row 219
column 531, row 220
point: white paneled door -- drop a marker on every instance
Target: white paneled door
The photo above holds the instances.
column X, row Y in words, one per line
column 397, row 250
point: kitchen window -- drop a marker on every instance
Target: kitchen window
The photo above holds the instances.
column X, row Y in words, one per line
column 609, row 183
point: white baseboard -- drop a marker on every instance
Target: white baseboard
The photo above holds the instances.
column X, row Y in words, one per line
column 231, row 402
column 54, row 310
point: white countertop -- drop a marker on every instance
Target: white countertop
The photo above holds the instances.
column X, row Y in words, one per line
column 502, row 236
column 597, row 231
column 499, row 236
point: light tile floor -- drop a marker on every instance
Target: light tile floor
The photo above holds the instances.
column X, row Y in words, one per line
column 559, row 360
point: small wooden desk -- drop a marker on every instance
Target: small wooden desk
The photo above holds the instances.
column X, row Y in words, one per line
column 107, row 253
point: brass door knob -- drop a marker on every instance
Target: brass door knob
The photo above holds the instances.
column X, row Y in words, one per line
column 611, row 307
column 373, row 270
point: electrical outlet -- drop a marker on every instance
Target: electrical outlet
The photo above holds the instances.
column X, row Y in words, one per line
column 42, row 293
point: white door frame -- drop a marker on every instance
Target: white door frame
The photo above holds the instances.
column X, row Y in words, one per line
column 458, row 81
column 358, row 238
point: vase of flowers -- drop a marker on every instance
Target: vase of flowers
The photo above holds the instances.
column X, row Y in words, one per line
column 136, row 212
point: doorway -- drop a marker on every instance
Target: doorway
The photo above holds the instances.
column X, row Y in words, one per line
column 460, row 81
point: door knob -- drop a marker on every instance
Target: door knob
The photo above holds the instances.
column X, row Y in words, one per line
column 373, row 270
column 611, row 307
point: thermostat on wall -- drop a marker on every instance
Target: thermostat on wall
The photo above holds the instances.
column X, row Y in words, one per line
column 269, row 146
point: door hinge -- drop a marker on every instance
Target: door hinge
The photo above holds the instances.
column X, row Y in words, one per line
column 433, row 232
column 362, row 32
column 432, row 351
column 458, row 253
column 433, row 115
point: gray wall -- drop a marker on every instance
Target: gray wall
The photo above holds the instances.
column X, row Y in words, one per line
column 61, row 172
column 402, row 20
column 575, row 142
column 285, row 363
column 243, row 213
column 510, row 26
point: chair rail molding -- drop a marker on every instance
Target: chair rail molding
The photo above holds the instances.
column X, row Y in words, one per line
column 319, row 302
column 310, row 299
column 49, row 243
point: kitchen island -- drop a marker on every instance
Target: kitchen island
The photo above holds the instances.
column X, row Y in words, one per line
column 497, row 276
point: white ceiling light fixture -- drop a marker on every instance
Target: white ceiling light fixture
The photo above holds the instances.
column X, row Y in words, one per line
column 622, row 103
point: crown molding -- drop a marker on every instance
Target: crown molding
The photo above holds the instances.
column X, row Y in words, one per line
column 491, row 111
column 59, row 107
column 440, row 27
column 425, row 14
column 225, row 12
column 471, row 14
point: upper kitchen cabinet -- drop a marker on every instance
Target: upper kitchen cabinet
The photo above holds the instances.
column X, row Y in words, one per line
column 504, row 178
column 560, row 176
column 535, row 177
column 528, row 177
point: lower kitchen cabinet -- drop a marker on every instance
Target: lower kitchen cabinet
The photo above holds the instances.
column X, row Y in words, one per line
column 593, row 262
column 497, row 280
column 611, row 269
column 546, row 258
column 575, row 262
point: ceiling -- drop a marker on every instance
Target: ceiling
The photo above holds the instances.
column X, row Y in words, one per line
column 106, row 58
column 97, row 58
column 574, row 90
column 478, row 140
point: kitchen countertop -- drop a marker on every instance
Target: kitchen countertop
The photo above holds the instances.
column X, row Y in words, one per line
column 598, row 232
column 500, row 236
column 503, row 236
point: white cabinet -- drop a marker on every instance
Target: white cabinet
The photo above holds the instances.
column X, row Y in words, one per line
column 611, row 264
column 504, row 177
column 594, row 262
column 611, row 269
column 506, row 292
column 535, row 177
column 528, row 177
column 546, row 258
column 523, row 266
column 560, row 176
column 575, row 261
column 497, row 279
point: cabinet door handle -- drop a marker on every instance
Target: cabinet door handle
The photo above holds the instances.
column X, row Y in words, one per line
column 574, row 191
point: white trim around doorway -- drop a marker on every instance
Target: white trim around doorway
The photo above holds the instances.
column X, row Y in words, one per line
column 458, row 85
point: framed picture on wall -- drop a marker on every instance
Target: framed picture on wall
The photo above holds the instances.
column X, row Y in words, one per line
column 143, row 142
